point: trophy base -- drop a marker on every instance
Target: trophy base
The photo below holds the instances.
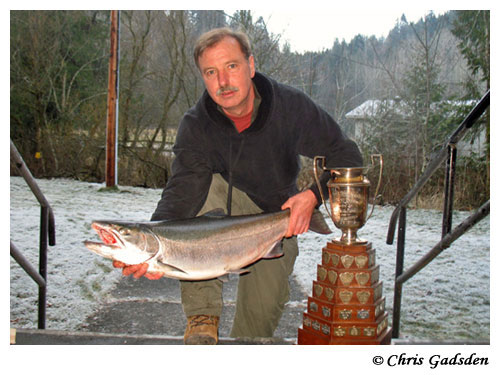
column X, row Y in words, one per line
column 306, row 337
column 347, row 306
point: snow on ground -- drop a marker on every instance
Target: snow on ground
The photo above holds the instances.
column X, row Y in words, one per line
column 448, row 300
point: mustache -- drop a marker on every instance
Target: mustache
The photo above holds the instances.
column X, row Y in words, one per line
column 222, row 90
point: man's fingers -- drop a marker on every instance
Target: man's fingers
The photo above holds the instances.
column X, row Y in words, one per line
column 299, row 228
column 301, row 208
column 291, row 227
column 129, row 270
column 297, row 225
column 153, row 275
column 118, row 264
column 141, row 270
column 137, row 270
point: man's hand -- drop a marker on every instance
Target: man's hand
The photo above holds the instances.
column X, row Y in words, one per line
column 137, row 270
column 301, row 209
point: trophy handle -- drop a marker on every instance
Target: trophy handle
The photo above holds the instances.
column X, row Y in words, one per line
column 316, row 178
column 381, row 163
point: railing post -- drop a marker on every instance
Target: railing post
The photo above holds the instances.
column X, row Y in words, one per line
column 42, row 289
column 449, row 189
column 398, row 287
column 47, row 235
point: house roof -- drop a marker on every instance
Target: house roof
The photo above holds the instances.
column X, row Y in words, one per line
column 368, row 109
column 371, row 107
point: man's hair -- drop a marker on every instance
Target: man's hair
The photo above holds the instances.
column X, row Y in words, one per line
column 212, row 37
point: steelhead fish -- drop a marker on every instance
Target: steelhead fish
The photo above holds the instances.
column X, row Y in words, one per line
column 200, row 248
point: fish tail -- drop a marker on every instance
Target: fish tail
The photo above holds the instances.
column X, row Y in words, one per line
column 318, row 223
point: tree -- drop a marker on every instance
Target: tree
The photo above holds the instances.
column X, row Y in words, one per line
column 135, row 42
column 422, row 89
column 265, row 45
column 57, row 70
column 156, row 88
column 472, row 29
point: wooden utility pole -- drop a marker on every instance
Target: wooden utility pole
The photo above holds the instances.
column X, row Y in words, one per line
column 112, row 121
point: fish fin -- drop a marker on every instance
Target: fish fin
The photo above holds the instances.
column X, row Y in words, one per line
column 275, row 252
column 169, row 267
column 239, row 272
column 215, row 213
column 318, row 223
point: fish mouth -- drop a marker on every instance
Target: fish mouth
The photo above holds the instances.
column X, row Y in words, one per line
column 108, row 236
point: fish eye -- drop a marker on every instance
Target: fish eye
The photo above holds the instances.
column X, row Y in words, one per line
column 124, row 231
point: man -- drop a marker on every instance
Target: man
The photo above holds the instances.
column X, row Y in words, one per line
column 250, row 130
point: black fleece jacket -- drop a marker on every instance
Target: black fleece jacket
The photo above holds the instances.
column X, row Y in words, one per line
column 263, row 159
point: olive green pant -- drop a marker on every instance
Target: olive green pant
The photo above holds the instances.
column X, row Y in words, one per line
column 262, row 292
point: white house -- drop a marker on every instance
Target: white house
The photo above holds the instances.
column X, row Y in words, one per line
column 363, row 116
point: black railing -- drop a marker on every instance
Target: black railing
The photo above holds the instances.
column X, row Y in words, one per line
column 47, row 236
column 449, row 153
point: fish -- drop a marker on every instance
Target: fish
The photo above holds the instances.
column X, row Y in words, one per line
column 201, row 248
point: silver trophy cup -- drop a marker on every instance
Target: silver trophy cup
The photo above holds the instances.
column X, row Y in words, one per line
column 348, row 189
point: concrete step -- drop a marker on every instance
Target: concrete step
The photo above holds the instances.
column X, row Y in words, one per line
column 54, row 337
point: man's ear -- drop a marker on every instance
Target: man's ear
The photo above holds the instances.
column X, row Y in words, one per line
column 251, row 63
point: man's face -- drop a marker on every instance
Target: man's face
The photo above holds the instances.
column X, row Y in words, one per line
column 228, row 76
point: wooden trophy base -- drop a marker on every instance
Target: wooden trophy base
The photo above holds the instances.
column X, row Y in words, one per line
column 310, row 338
column 346, row 306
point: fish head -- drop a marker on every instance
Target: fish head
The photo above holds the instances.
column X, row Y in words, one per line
column 130, row 243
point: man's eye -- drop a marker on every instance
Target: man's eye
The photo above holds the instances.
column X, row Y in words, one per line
column 232, row 66
column 209, row 73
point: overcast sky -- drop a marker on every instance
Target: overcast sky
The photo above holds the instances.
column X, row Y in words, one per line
column 317, row 29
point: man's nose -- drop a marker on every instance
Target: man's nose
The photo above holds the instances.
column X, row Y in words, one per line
column 223, row 78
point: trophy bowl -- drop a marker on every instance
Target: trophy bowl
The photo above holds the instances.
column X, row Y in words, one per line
column 349, row 190
column 349, row 202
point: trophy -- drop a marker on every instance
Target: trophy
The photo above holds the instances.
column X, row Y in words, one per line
column 348, row 190
column 346, row 305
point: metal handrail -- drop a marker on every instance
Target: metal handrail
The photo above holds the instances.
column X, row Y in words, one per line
column 26, row 265
column 469, row 121
column 445, row 242
column 47, row 236
column 449, row 153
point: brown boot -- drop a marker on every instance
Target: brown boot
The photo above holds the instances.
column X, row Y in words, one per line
column 201, row 330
